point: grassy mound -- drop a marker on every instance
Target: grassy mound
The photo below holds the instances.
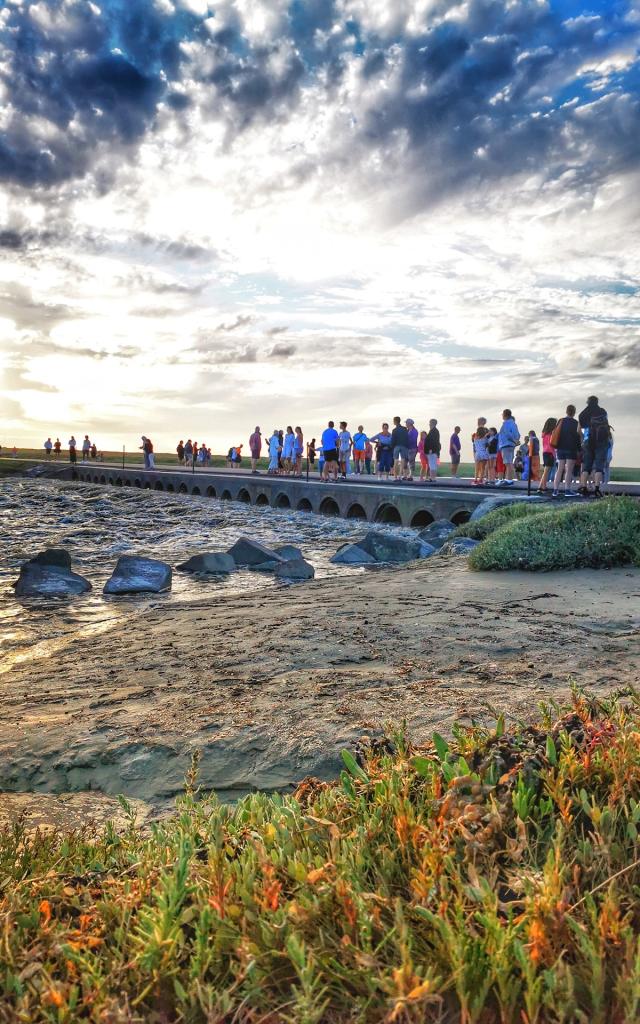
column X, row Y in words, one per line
column 597, row 535
column 478, row 529
column 493, row 880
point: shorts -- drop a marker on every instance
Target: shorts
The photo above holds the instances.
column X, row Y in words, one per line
column 385, row 460
column 595, row 458
column 423, row 460
column 413, row 453
column 400, row 452
column 566, row 455
column 548, row 460
column 455, row 458
column 433, row 461
column 358, row 455
column 331, row 455
column 508, row 454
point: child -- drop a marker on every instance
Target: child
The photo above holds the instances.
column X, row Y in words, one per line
column 481, row 455
column 424, row 462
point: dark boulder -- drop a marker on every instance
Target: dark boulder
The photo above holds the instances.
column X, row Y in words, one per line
column 384, row 547
column 248, row 552
column 41, row 580
column 289, row 552
column 488, row 505
column 210, row 561
column 352, row 554
column 436, row 533
column 52, row 556
column 136, row 575
column 295, row 569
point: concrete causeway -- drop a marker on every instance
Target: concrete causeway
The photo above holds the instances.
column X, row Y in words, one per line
column 415, row 505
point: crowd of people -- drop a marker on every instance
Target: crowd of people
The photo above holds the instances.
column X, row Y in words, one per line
column 570, row 452
column 569, row 449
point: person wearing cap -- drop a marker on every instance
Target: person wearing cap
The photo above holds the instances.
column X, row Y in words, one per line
column 412, row 435
column 255, row 447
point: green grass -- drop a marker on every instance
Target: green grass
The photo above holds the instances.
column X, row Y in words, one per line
column 478, row 529
column 492, row 880
column 598, row 534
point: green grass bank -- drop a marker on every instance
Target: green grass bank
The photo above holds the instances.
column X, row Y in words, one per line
column 495, row 878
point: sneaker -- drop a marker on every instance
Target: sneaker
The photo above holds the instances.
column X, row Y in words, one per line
column 554, row 494
column 500, row 483
column 570, row 494
column 509, row 483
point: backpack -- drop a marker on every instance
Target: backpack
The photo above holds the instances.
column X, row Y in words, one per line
column 599, row 430
column 554, row 440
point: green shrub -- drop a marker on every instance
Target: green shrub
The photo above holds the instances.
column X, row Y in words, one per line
column 596, row 535
column 478, row 529
column 490, row 879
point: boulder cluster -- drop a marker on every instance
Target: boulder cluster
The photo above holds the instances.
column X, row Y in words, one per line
column 49, row 574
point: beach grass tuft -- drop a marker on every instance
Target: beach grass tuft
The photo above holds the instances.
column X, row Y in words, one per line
column 597, row 535
column 492, row 877
column 478, row 529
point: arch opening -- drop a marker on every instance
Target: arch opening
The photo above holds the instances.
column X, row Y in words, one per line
column 195, row 490
column 127, row 483
column 421, row 519
column 388, row 514
column 182, row 489
column 211, row 492
column 356, row 511
column 170, row 487
column 111, row 480
column 262, row 500
column 136, row 483
column 147, row 485
column 329, row 507
column 118, row 482
column 463, row 516
column 226, row 495
column 283, row 501
column 158, row 486
column 74, row 475
column 244, row 496
column 304, row 505
column 103, row 479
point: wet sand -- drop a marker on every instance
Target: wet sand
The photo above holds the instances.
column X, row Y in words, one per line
column 270, row 686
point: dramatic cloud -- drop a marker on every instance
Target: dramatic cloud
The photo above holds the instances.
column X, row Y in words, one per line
column 270, row 204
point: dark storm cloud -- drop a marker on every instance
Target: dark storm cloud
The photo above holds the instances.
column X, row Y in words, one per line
column 453, row 104
column 624, row 354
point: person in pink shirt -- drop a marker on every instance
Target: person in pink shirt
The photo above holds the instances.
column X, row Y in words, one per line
column 548, row 453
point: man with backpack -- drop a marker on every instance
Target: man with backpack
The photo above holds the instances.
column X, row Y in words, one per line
column 596, row 437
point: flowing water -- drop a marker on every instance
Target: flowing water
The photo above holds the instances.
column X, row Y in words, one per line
column 97, row 525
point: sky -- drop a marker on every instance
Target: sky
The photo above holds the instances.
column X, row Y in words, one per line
column 218, row 215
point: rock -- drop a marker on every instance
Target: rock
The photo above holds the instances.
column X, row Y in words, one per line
column 295, row 569
column 288, row 551
column 487, row 506
column 459, row 546
column 352, row 554
column 37, row 580
column 251, row 552
column 384, row 547
column 210, row 561
column 135, row 575
column 52, row 556
column 436, row 533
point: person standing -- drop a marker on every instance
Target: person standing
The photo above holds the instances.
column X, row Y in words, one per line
column 508, row 437
column 596, row 439
column 94, row 451
column 492, row 450
column 86, row 448
column 255, row 447
column 57, row 447
column 534, row 455
column 345, row 441
column 359, row 451
column 424, row 462
column 400, row 443
column 311, row 452
column 288, row 445
column 48, row 445
column 548, row 454
column 432, row 448
column 188, row 452
column 330, row 443
column 72, row 449
column 145, row 453
column 274, row 453
column 298, row 451
column 412, row 450
column 454, row 450
column 384, row 451
column 180, row 452
column 566, row 439
column 368, row 457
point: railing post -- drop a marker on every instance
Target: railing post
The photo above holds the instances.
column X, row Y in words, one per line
column 123, row 456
